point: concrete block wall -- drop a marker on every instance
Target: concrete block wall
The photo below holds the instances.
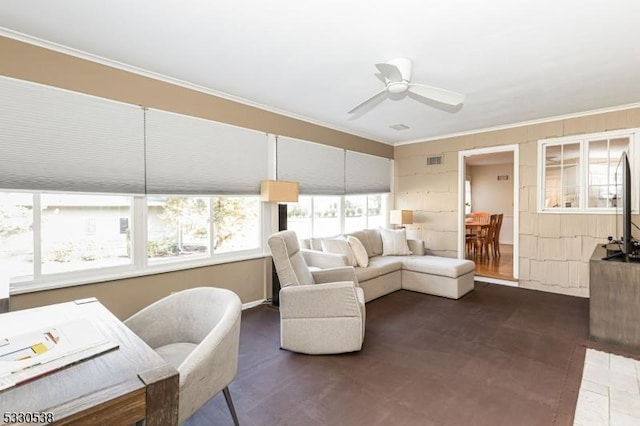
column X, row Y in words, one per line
column 554, row 248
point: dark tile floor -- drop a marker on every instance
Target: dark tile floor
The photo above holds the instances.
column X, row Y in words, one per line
column 498, row 356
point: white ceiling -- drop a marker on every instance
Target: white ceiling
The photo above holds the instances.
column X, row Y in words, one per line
column 515, row 61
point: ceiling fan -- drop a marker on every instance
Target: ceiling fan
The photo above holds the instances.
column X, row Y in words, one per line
column 397, row 79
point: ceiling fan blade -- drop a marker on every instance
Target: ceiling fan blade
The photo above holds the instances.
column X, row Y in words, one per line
column 435, row 93
column 373, row 99
column 390, row 71
column 381, row 77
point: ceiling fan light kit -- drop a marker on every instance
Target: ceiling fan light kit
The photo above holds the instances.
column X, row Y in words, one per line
column 397, row 77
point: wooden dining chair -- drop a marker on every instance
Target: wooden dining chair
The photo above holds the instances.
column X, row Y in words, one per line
column 496, row 236
column 484, row 241
column 470, row 236
column 481, row 217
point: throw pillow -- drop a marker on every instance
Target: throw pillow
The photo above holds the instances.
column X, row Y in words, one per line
column 359, row 252
column 339, row 246
column 394, row 242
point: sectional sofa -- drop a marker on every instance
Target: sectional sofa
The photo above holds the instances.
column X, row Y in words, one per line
column 383, row 273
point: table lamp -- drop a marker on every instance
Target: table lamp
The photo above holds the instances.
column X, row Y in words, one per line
column 401, row 217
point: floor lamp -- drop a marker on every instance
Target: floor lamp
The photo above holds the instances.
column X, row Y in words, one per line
column 278, row 191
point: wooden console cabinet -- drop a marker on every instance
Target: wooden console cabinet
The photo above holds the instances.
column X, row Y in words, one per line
column 614, row 303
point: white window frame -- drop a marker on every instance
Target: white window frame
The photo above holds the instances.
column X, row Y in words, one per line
column 139, row 265
column 583, row 140
column 341, row 215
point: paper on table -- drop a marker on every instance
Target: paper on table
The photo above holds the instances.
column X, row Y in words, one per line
column 29, row 355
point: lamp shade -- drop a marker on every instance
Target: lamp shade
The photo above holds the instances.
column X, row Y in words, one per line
column 278, row 191
column 401, row 217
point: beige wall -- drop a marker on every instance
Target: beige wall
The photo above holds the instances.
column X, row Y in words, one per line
column 488, row 194
column 554, row 248
column 127, row 296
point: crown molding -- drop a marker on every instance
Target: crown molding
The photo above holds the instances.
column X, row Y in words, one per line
column 523, row 123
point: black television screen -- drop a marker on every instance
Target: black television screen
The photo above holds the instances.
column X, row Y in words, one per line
column 623, row 204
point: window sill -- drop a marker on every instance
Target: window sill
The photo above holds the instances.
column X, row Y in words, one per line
column 93, row 276
column 561, row 210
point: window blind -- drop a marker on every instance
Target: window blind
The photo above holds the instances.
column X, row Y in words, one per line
column 367, row 174
column 319, row 169
column 188, row 155
column 57, row 140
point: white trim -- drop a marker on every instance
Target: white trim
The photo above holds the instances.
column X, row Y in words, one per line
column 522, row 123
column 515, row 148
column 37, row 234
column 171, row 80
column 253, row 304
column 497, row 281
column 138, row 232
column 583, row 139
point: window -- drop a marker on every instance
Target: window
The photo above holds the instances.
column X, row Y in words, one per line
column 467, row 197
column 562, row 176
column 326, row 216
column 376, row 211
column 363, row 211
column 355, row 212
column 55, row 238
column 299, row 217
column 16, row 234
column 177, row 227
column 199, row 226
column 577, row 174
column 82, row 232
column 236, row 224
column 322, row 216
column 603, row 159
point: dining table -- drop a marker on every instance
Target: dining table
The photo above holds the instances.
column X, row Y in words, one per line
column 477, row 226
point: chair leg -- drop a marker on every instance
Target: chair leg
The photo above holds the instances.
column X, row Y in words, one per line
column 227, row 397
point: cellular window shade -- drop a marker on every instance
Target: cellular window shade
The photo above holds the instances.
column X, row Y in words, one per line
column 319, row 169
column 367, row 174
column 57, row 140
column 188, row 155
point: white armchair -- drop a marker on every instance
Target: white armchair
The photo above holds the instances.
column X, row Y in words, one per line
column 321, row 312
column 196, row 331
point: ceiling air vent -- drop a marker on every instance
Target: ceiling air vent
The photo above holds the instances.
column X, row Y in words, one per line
column 434, row 160
column 399, row 127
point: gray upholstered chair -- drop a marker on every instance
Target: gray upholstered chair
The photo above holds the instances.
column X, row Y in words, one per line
column 196, row 331
column 321, row 312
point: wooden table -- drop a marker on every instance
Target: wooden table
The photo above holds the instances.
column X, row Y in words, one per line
column 478, row 226
column 123, row 386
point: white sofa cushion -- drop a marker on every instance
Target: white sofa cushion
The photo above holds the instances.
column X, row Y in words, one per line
column 394, row 242
column 435, row 265
column 375, row 241
column 385, row 265
column 378, row 266
column 359, row 252
column 364, row 239
column 339, row 246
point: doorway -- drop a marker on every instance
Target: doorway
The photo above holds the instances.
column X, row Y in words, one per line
column 488, row 181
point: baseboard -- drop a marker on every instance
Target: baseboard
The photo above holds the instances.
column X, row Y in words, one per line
column 253, row 304
column 497, row 281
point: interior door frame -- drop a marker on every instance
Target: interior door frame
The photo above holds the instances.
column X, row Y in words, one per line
column 462, row 172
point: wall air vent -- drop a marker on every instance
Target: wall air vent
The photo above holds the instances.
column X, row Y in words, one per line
column 399, row 127
column 434, row 160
